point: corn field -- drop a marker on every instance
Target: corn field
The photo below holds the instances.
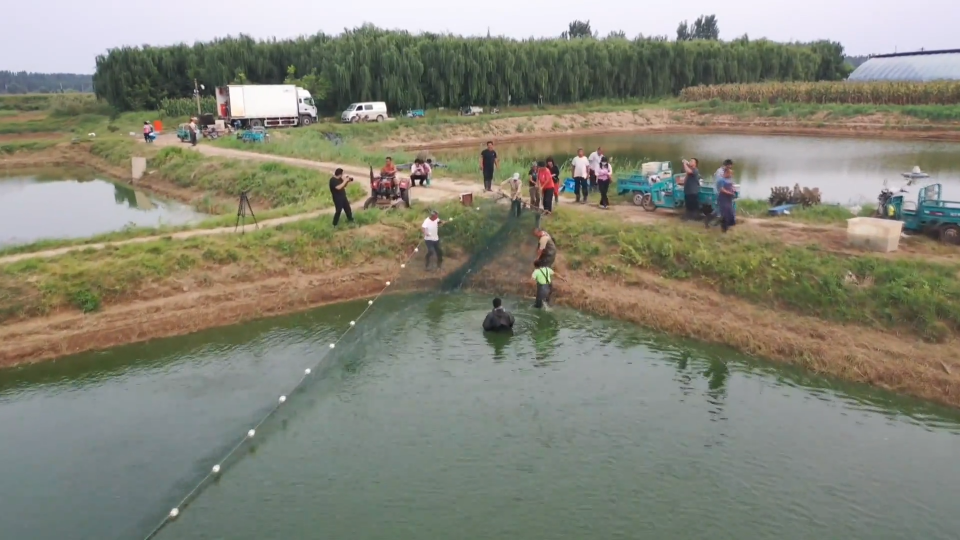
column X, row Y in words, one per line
column 855, row 93
column 187, row 106
column 429, row 70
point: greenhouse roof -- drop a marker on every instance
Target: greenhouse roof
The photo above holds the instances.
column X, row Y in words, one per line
column 921, row 66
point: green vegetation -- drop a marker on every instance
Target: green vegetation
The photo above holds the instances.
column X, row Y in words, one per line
column 905, row 295
column 22, row 82
column 89, row 279
column 824, row 214
column 820, row 112
column 854, row 93
column 410, row 71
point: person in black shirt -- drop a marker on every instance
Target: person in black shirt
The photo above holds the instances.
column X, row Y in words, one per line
column 489, row 162
column 498, row 320
column 338, row 187
column 691, row 188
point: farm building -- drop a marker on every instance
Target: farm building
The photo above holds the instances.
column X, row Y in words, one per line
column 923, row 66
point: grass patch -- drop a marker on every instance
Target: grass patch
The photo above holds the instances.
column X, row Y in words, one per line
column 906, row 295
column 89, row 279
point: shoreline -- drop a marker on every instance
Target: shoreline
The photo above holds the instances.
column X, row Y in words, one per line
column 512, row 129
column 900, row 364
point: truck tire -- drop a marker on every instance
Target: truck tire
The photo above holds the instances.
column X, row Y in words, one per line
column 305, row 120
column 379, row 118
column 950, row 234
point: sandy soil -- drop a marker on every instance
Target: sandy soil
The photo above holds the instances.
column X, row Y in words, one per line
column 660, row 120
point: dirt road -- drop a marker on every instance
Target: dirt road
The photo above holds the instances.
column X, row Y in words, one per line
column 828, row 238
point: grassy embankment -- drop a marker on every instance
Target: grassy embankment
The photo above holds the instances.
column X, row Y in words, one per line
column 212, row 185
column 908, row 296
column 87, row 280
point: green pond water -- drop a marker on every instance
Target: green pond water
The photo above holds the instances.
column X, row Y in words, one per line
column 77, row 204
column 847, row 171
column 419, row 426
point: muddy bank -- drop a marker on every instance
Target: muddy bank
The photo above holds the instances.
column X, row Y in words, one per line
column 520, row 128
column 898, row 363
column 193, row 307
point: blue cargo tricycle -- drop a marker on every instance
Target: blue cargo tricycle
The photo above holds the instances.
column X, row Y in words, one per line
column 669, row 194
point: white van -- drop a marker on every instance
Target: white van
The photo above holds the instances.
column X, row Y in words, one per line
column 365, row 112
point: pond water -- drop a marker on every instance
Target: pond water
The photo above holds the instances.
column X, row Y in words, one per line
column 77, row 204
column 419, row 426
column 847, row 171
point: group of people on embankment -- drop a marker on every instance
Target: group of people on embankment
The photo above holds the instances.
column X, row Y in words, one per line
column 543, row 179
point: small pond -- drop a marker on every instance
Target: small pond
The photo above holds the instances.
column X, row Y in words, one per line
column 76, row 204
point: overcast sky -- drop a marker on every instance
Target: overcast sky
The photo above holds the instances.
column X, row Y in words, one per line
column 67, row 35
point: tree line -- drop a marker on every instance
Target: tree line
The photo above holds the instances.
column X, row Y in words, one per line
column 432, row 70
column 24, row 82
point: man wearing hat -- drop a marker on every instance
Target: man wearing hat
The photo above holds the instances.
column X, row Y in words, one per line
column 513, row 192
column 431, row 237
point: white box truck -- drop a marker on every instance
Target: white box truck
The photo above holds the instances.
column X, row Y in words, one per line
column 266, row 105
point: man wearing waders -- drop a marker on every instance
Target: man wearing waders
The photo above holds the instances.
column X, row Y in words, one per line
column 543, row 276
column 431, row 237
column 498, row 320
column 546, row 249
column 513, row 192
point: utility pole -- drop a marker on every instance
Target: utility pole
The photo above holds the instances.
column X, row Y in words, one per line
column 196, row 93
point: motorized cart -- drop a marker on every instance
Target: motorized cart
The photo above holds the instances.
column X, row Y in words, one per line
column 930, row 214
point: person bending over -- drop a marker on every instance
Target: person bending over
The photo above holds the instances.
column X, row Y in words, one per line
column 498, row 320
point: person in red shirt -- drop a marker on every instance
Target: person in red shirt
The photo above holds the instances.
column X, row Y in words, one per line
column 547, row 186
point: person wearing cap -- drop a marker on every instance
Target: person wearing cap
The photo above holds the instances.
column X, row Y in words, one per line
column 431, row 237
column 513, row 185
column 498, row 320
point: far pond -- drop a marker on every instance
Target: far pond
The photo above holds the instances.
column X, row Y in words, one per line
column 847, row 171
column 76, row 204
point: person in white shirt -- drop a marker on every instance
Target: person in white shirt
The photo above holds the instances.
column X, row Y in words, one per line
column 594, row 160
column 580, row 166
column 431, row 237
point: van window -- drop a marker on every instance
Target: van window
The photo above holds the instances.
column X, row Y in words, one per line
column 368, row 107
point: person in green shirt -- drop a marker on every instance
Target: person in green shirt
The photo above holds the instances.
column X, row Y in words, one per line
column 543, row 276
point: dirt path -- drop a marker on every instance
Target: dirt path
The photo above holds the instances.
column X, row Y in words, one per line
column 829, row 238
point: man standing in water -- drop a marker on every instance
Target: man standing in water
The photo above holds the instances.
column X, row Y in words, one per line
column 338, row 191
column 546, row 248
column 489, row 163
column 691, row 188
column 580, row 165
column 498, row 320
column 543, row 276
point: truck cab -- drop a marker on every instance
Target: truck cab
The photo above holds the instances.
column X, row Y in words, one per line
column 307, row 108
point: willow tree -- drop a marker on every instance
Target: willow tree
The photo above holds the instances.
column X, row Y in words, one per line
column 428, row 70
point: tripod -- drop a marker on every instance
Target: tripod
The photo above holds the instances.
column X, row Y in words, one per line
column 242, row 212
